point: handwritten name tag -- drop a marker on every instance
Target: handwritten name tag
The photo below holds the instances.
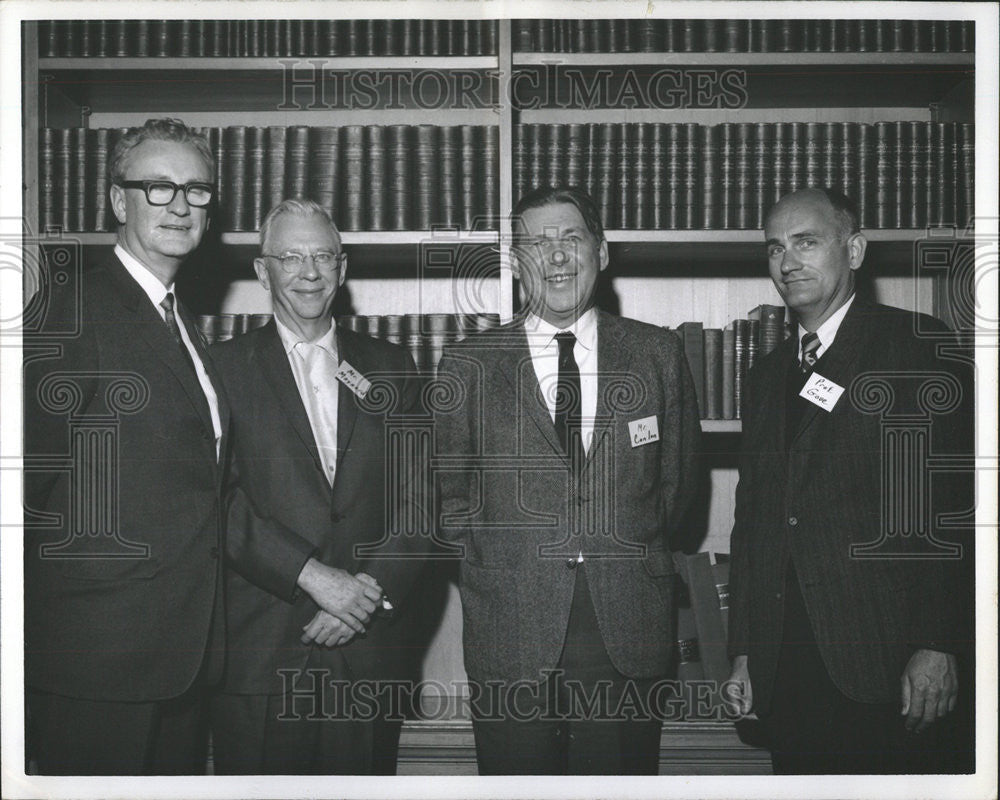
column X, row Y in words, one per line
column 821, row 391
column 643, row 431
column 353, row 379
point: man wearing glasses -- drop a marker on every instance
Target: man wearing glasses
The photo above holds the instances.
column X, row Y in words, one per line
column 580, row 431
column 123, row 586
column 317, row 594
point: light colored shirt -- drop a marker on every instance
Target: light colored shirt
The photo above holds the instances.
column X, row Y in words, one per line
column 314, row 365
column 544, row 351
column 827, row 332
column 156, row 291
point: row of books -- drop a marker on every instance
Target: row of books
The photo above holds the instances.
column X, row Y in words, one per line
column 424, row 335
column 375, row 178
column 719, row 359
column 672, row 176
column 109, row 38
column 743, row 35
column 702, row 603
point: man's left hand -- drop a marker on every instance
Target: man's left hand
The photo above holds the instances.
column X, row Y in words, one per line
column 326, row 630
column 930, row 688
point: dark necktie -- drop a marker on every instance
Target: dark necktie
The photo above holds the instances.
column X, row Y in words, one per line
column 810, row 344
column 167, row 304
column 568, row 396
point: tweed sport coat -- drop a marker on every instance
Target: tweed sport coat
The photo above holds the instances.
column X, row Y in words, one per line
column 282, row 510
column 811, row 493
column 519, row 511
column 103, row 619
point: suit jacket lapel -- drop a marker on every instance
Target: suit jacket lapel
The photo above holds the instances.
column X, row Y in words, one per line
column 347, row 408
column 277, row 372
column 153, row 330
column 613, row 362
column 836, row 364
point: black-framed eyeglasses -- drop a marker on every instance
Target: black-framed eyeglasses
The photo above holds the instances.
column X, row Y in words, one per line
column 324, row 260
column 161, row 193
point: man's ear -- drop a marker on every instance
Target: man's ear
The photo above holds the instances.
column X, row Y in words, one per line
column 856, row 247
column 260, row 267
column 515, row 264
column 603, row 253
column 118, row 202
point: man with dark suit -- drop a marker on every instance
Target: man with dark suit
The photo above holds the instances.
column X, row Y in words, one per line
column 315, row 572
column 123, row 590
column 565, row 460
column 848, row 603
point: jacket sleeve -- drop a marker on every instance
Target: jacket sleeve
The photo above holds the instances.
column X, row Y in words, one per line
column 454, row 430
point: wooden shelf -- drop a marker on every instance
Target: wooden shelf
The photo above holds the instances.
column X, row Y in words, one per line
column 745, row 59
column 721, row 426
column 269, row 63
column 385, row 238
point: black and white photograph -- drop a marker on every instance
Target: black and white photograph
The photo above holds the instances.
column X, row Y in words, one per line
column 478, row 399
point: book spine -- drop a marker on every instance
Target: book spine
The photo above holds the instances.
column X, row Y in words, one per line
column 606, row 179
column 762, row 173
column 902, row 147
column 425, row 185
column 692, row 175
column 885, row 209
column 743, row 177
column 965, row 171
column 519, row 158
column 375, row 169
column 234, row 177
column 63, row 178
column 554, row 147
column 80, row 198
column 490, row 174
column 919, row 165
column 448, row 176
column 708, row 619
column 352, row 194
column 97, row 180
column 659, row 201
column 624, row 201
column 728, row 373
column 739, row 364
column 324, row 168
column 400, row 177
column 713, row 373
column 640, row 213
column 297, row 162
column 274, row 182
column 469, row 147
column 48, row 216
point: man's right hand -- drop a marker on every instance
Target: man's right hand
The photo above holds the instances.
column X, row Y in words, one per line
column 339, row 593
column 738, row 693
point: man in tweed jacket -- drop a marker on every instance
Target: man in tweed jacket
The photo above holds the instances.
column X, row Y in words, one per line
column 560, row 501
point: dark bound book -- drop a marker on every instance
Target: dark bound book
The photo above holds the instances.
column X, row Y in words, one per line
column 48, row 217
column 297, row 162
column 708, row 618
column 375, row 185
column 519, row 160
column 743, row 209
column 726, row 175
column 965, row 137
column 659, row 200
column 413, row 340
column 63, row 178
column 771, row 331
column 918, row 164
column 811, row 151
column 233, row 174
column 448, row 176
column 692, row 337
column 713, row 373
column 554, row 147
column 79, row 197
column 728, row 373
column 708, row 154
column 779, row 163
column 902, row 147
column 606, row 183
column 400, row 174
column 753, row 341
column 639, row 148
column 763, row 173
column 943, row 181
column 740, row 367
column 863, row 186
column 99, row 212
column 274, row 179
column 885, row 196
column 491, row 176
column 691, row 176
column 470, row 181
column 795, row 155
column 425, row 184
column 535, row 144
column 324, row 168
column 575, row 144
column 352, row 190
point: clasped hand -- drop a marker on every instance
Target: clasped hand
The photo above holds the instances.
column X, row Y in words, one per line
column 346, row 603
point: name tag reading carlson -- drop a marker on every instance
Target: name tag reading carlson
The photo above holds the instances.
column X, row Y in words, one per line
column 643, row 431
column 353, row 379
column 822, row 392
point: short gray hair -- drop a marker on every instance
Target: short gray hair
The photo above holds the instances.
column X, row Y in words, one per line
column 297, row 207
column 160, row 130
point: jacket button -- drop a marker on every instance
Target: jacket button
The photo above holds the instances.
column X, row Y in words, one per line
column 793, row 521
column 571, row 563
column 777, row 595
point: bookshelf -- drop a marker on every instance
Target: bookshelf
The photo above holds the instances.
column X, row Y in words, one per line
column 663, row 276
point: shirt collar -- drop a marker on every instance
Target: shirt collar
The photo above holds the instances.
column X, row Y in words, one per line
column 827, row 332
column 328, row 341
column 541, row 334
column 147, row 281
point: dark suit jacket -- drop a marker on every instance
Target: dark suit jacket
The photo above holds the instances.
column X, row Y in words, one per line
column 520, row 511
column 810, row 494
column 99, row 626
column 283, row 510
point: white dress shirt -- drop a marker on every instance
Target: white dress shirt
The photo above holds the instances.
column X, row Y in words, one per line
column 156, row 291
column 314, row 365
column 827, row 332
column 545, row 359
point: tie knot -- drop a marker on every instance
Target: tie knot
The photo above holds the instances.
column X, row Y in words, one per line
column 567, row 341
column 810, row 344
column 167, row 303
